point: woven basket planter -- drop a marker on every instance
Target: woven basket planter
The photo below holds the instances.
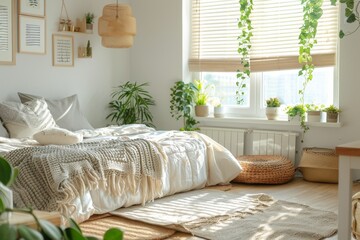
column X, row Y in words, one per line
column 355, row 225
column 319, row 165
column 265, row 169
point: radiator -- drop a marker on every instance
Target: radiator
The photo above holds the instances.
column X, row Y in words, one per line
column 254, row 142
column 274, row 143
column 232, row 139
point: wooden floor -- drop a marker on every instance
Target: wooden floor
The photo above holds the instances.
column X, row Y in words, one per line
column 317, row 195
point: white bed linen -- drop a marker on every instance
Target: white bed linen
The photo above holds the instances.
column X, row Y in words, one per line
column 190, row 161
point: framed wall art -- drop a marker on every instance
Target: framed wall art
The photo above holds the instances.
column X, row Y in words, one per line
column 63, row 50
column 32, row 7
column 32, row 35
column 7, row 32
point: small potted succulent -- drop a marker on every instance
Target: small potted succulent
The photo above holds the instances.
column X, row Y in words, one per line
column 332, row 113
column 314, row 112
column 272, row 108
column 219, row 110
column 89, row 18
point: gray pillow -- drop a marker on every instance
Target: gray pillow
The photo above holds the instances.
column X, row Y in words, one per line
column 66, row 111
column 3, row 131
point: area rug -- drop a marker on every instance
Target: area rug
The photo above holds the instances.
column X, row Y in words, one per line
column 133, row 230
column 219, row 215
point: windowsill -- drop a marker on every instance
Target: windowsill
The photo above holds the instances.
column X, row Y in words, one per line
column 264, row 121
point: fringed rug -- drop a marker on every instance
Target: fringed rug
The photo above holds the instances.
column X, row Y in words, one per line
column 133, row 230
column 219, row 215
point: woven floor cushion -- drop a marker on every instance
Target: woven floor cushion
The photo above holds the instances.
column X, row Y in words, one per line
column 265, row 169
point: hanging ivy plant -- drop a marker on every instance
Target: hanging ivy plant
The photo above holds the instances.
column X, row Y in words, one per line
column 312, row 12
column 351, row 13
column 244, row 39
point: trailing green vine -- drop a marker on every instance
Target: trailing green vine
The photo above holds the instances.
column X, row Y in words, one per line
column 181, row 104
column 244, row 24
column 351, row 13
column 312, row 12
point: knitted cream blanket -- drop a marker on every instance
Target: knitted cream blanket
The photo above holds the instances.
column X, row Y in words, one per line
column 52, row 177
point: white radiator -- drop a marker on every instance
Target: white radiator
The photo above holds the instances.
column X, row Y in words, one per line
column 232, row 139
column 274, row 143
column 258, row 142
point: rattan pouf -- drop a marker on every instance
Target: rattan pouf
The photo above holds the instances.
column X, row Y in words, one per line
column 265, row 169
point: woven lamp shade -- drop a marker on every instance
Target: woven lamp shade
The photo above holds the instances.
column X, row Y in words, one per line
column 117, row 26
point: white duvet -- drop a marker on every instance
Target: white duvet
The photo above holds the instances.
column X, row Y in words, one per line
column 190, row 161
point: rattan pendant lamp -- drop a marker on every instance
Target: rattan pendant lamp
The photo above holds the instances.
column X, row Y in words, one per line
column 117, row 26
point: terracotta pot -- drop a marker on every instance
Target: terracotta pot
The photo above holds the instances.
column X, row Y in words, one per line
column 202, row 110
column 332, row 117
column 313, row 116
column 272, row 113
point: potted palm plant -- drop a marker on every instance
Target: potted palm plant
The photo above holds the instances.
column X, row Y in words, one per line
column 272, row 108
column 131, row 104
column 201, row 98
column 332, row 114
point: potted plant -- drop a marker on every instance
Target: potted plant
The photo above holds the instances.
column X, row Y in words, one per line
column 130, row 104
column 181, row 104
column 201, row 98
column 314, row 112
column 44, row 229
column 272, row 108
column 219, row 110
column 89, row 18
column 332, row 113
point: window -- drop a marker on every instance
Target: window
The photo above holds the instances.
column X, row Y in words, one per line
column 274, row 53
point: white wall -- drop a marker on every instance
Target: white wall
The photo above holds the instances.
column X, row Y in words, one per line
column 157, row 57
column 92, row 79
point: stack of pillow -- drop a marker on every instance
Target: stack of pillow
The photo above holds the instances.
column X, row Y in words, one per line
column 47, row 121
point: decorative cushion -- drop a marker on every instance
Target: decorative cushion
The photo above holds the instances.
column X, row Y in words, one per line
column 66, row 111
column 58, row 136
column 23, row 120
column 265, row 169
column 3, row 131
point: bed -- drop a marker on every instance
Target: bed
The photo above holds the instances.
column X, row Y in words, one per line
column 91, row 176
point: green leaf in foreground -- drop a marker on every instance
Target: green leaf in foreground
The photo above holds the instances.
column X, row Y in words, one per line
column 113, row 234
column 29, row 233
column 50, row 230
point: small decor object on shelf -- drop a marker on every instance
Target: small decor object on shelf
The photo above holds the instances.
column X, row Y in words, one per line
column 272, row 108
column 65, row 24
column 89, row 18
column 85, row 52
column 332, row 114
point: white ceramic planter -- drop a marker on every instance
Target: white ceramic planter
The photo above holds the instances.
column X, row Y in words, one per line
column 219, row 112
column 294, row 119
column 272, row 113
column 313, row 116
column 7, row 197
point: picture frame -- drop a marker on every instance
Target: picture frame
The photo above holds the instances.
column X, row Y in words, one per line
column 63, row 50
column 7, row 33
column 32, row 7
column 32, row 35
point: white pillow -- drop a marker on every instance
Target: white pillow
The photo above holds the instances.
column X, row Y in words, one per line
column 66, row 111
column 57, row 136
column 23, row 120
